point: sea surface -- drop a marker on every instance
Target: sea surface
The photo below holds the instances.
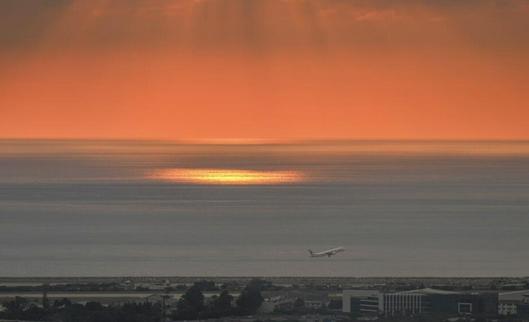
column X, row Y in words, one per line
column 414, row 208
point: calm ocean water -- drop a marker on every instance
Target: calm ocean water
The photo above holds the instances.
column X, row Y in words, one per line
column 399, row 208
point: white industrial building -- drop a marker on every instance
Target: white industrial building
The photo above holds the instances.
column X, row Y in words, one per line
column 374, row 302
column 514, row 303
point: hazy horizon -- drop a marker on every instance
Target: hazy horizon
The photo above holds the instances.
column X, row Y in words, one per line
column 79, row 208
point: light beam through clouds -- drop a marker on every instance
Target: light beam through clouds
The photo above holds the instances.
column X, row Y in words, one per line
column 287, row 69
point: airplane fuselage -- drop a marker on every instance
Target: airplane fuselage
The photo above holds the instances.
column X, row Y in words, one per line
column 328, row 253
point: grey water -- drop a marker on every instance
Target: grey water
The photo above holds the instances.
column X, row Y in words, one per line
column 90, row 208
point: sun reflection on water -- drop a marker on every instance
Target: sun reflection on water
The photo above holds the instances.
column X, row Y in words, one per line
column 227, row 176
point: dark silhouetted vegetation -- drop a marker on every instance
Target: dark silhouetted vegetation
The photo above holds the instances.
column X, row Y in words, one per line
column 222, row 305
column 250, row 299
column 65, row 311
column 191, row 306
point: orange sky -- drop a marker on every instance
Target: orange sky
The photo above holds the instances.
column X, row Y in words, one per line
column 187, row 69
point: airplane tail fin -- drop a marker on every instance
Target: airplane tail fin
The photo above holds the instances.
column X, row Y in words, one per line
column 311, row 252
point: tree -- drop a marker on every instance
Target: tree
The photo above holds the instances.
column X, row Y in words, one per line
column 93, row 306
column 221, row 306
column 16, row 306
column 335, row 304
column 191, row 304
column 260, row 284
column 62, row 303
column 206, row 285
column 299, row 303
column 250, row 299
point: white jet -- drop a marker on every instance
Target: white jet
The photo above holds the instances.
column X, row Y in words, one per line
column 328, row 252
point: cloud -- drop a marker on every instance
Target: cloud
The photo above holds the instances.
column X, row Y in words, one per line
column 23, row 22
column 262, row 26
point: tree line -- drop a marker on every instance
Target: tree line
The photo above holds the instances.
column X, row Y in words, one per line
column 191, row 306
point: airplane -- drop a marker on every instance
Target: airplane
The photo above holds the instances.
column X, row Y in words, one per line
column 328, row 253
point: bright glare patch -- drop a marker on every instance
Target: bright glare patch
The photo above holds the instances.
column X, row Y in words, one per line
column 227, row 176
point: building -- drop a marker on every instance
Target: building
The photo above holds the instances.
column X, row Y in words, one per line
column 514, row 303
column 508, row 307
column 452, row 302
column 362, row 302
column 313, row 304
column 402, row 304
column 319, row 318
column 422, row 301
column 276, row 303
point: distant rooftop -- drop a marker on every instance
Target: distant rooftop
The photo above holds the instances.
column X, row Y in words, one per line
column 514, row 295
column 427, row 291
